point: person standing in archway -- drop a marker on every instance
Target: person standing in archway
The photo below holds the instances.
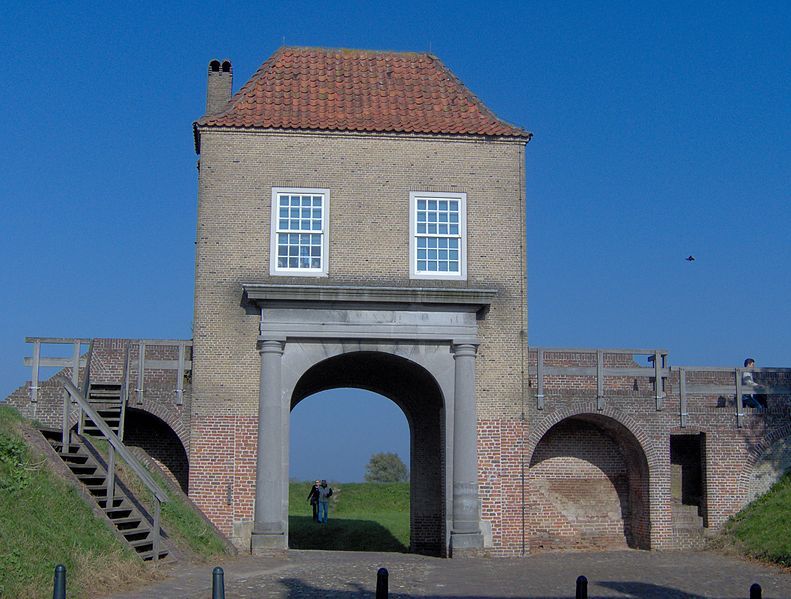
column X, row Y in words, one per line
column 313, row 498
column 325, row 492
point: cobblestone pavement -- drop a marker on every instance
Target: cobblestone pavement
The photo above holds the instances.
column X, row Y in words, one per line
column 345, row 575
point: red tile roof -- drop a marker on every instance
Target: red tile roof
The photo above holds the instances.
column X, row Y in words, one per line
column 359, row 90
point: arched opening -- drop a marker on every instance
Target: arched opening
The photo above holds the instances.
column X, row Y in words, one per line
column 333, row 435
column 214, row 66
column 590, row 480
column 418, row 395
column 226, row 66
column 153, row 435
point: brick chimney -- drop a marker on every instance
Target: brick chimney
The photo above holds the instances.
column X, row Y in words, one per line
column 219, row 87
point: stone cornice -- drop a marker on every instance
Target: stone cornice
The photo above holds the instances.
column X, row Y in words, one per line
column 402, row 298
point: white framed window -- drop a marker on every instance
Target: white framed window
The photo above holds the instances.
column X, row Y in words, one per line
column 437, row 235
column 300, row 232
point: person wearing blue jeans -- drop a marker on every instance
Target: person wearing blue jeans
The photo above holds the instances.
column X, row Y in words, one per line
column 325, row 493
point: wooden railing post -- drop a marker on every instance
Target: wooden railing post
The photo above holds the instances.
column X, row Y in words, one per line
column 682, row 392
column 658, row 381
column 599, row 380
column 739, row 405
column 180, row 376
column 540, row 379
column 157, row 510
column 64, row 435
column 110, row 476
column 124, row 393
column 34, row 376
column 75, row 363
column 141, row 370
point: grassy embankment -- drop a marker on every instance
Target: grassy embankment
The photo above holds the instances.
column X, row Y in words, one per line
column 186, row 529
column 44, row 522
column 362, row 517
column 763, row 529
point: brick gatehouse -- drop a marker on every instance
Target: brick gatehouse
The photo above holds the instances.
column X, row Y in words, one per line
column 361, row 223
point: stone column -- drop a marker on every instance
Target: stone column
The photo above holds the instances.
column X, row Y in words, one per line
column 465, row 535
column 268, row 530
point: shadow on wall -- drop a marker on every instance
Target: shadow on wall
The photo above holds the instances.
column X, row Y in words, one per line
column 160, row 442
column 341, row 534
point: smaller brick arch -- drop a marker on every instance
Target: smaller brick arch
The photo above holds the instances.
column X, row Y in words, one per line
column 652, row 453
column 160, row 443
column 173, row 417
column 756, row 454
column 590, row 474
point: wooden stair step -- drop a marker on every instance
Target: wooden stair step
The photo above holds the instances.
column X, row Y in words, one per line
column 149, row 555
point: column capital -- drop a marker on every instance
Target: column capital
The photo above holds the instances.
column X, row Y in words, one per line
column 271, row 346
column 466, row 349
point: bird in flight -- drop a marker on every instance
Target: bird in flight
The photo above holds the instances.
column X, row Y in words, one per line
column 690, row 258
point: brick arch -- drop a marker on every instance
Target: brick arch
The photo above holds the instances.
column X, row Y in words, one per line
column 652, row 455
column 166, row 415
column 603, row 456
column 757, row 452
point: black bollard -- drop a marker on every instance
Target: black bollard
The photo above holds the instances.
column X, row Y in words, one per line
column 381, row 583
column 217, row 583
column 59, row 587
column 755, row 591
column 582, row 587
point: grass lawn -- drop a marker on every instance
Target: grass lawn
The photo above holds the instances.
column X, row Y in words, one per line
column 44, row 522
column 190, row 533
column 362, row 517
column 763, row 529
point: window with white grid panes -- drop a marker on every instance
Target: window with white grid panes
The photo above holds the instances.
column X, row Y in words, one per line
column 299, row 231
column 438, row 227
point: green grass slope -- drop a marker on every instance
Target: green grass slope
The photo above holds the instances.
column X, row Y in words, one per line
column 362, row 517
column 44, row 522
column 763, row 529
column 190, row 532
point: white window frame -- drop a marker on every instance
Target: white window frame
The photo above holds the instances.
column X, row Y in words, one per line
column 414, row 196
column 325, row 233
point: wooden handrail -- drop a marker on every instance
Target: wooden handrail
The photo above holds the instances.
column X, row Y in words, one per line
column 113, row 439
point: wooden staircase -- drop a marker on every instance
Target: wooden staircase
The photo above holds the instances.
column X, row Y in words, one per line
column 105, row 398
column 123, row 510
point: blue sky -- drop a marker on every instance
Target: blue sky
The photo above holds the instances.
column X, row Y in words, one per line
column 661, row 130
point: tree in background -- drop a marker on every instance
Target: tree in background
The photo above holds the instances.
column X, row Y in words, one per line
column 386, row 468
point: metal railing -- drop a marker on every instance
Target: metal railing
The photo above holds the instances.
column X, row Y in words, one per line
column 658, row 371
column 115, row 446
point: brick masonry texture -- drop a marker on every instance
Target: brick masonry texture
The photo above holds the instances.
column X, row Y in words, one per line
column 369, row 178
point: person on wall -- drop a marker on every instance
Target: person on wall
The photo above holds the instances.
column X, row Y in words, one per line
column 752, row 400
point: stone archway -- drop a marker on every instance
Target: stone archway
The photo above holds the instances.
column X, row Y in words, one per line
column 590, row 479
column 417, row 393
column 428, row 336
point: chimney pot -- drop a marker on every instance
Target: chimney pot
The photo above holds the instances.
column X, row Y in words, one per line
column 219, row 86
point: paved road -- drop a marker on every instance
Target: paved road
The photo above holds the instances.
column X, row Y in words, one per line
column 345, row 575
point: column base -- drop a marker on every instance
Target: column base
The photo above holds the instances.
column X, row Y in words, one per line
column 466, row 545
column 268, row 545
